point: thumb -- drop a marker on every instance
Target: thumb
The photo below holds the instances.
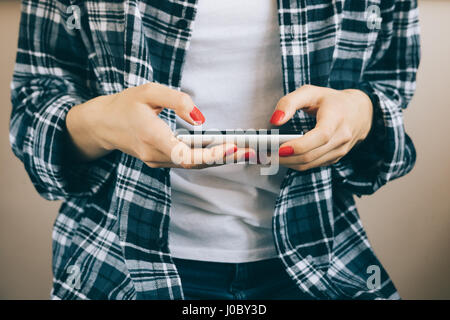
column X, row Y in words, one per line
column 160, row 96
column 304, row 96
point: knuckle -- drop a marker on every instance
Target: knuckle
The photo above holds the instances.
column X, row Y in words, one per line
column 126, row 91
column 145, row 137
column 325, row 135
column 152, row 165
column 306, row 86
column 184, row 99
column 285, row 101
column 342, row 152
column 298, row 148
column 307, row 158
column 346, row 135
column 147, row 86
column 146, row 156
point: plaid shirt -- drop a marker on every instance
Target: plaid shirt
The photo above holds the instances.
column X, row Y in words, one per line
column 113, row 224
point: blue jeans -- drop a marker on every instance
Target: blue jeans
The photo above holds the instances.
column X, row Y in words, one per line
column 259, row 280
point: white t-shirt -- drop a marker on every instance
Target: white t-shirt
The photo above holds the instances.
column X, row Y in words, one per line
column 233, row 73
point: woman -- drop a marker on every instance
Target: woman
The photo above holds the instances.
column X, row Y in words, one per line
column 94, row 111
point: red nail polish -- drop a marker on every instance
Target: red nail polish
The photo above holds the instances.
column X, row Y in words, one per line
column 277, row 116
column 286, row 151
column 197, row 116
column 249, row 154
column 231, row 151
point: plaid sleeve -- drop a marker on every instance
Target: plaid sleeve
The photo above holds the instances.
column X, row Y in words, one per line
column 389, row 80
column 51, row 76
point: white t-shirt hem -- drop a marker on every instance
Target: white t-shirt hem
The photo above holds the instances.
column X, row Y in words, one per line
column 226, row 256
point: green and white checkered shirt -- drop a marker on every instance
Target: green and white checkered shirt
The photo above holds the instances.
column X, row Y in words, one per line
column 113, row 224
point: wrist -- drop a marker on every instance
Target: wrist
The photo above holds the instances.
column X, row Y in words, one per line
column 85, row 130
column 97, row 122
column 365, row 112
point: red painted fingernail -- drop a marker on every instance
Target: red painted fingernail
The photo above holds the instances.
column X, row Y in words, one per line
column 231, row 151
column 286, row 151
column 277, row 116
column 249, row 154
column 197, row 116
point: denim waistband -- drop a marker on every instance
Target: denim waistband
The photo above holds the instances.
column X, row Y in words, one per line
column 263, row 279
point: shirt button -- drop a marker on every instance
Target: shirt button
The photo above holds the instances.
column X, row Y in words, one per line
column 181, row 24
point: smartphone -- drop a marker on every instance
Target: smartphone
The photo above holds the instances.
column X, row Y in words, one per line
column 255, row 139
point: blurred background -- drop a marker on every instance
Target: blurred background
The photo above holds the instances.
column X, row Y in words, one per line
column 408, row 221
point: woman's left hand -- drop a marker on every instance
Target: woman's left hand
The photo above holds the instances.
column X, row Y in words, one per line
column 344, row 118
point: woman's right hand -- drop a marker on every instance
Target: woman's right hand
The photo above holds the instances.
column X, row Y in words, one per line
column 128, row 121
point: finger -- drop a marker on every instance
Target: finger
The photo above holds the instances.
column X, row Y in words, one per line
column 163, row 139
column 203, row 157
column 190, row 154
column 158, row 95
column 245, row 155
column 326, row 126
column 250, row 156
column 305, row 96
column 234, row 155
column 220, row 154
column 155, row 156
column 173, row 165
column 178, row 154
column 210, row 157
column 228, row 153
column 156, row 165
column 170, row 149
column 156, row 141
column 340, row 138
column 329, row 158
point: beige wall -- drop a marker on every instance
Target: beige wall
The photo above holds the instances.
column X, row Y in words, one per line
column 408, row 221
